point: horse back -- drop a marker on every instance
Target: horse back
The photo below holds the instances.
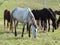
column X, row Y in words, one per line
column 20, row 14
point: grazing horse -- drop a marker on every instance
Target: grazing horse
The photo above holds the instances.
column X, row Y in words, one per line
column 44, row 15
column 24, row 15
column 7, row 17
column 58, row 21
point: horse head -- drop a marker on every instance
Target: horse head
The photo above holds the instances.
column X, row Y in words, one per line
column 34, row 24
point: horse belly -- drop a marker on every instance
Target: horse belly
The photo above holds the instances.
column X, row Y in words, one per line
column 20, row 18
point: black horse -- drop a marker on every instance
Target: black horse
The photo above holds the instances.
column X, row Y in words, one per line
column 44, row 15
column 58, row 21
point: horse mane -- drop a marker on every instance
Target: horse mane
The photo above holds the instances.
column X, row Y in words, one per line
column 33, row 18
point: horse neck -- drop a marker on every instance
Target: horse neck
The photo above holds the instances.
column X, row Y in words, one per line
column 53, row 16
column 32, row 18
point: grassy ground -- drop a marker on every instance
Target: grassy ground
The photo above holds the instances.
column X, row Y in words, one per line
column 8, row 38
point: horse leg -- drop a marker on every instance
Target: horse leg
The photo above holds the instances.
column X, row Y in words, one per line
column 57, row 24
column 29, row 30
column 53, row 28
column 38, row 22
column 7, row 24
column 11, row 23
column 15, row 23
column 48, row 25
column 11, row 27
column 27, row 26
column 4, row 23
column 23, row 30
column 41, row 24
column 45, row 24
column 54, row 25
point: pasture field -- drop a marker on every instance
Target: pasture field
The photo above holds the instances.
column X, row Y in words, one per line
column 8, row 38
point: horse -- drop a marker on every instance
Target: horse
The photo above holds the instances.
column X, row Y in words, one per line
column 24, row 15
column 7, row 17
column 58, row 21
column 44, row 15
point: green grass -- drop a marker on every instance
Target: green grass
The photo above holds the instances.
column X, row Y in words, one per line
column 8, row 38
column 48, row 38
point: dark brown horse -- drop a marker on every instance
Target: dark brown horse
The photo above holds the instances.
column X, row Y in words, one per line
column 7, row 17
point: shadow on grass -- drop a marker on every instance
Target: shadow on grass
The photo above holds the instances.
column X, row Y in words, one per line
column 10, row 36
column 13, row 38
column 17, row 38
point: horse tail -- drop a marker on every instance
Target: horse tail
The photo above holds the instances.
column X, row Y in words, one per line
column 11, row 22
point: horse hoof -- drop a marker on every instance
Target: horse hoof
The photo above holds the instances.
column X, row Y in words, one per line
column 29, row 36
column 53, row 31
column 22, row 36
column 15, row 34
column 48, row 30
column 34, row 36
